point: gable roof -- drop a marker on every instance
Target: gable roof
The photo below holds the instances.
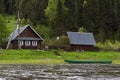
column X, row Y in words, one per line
column 80, row 38
column 14, row 34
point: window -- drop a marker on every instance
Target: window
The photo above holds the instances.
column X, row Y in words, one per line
column 34, row 43
column 21, row 43
column 27, row 43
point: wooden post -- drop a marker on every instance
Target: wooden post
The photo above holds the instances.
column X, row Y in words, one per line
column 18, row 28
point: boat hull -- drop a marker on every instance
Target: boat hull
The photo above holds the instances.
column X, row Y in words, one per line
column 89, row 61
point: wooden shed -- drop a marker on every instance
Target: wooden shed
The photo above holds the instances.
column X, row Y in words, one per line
column 81, row 40
column 25, row 38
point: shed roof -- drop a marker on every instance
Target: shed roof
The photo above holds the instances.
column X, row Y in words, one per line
column 14, row 34
column 80, row 38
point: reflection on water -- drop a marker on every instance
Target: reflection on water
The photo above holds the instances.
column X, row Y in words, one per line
column 60, row 72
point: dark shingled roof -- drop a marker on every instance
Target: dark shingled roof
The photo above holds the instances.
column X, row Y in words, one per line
column 14, row 34
column 80, row 38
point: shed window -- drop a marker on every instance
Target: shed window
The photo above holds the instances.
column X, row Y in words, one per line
column 21, row 43
column 27, row 43
column 34, row 43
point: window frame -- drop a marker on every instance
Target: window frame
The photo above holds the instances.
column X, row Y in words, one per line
column 34, row 43
column 21, row 43
column 27, row 43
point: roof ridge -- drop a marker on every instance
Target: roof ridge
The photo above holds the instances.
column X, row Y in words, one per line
column 81, row 32
column 15, row 33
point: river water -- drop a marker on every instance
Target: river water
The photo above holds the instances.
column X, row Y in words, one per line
column 60, row 72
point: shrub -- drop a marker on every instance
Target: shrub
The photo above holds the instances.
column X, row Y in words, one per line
column 61, row 42
column 109, row 45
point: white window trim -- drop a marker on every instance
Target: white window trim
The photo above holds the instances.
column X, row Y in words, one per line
column 27, row 43
column 21, row 43
column 34, row 43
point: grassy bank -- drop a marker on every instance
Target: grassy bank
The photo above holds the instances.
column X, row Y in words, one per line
column 53, row 56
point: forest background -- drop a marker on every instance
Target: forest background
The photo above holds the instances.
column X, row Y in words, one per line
column 52, row 18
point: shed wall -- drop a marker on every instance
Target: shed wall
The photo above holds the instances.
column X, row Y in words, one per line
column 14, row 45
column 82, row 47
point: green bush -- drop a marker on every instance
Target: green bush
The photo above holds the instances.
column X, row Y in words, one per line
column 61, row 41
column 116, row 44
column 109, row 45
column 100, row 45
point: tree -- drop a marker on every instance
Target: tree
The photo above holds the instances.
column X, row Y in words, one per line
column 9, row 6
column 3, row 30
column 33, row 10
column 60, row 20
column 101, row 17
column 56, row 12
column 74, row 15
column 2, row 6
column 51, row 11
column 45, row 32
column 24, row 22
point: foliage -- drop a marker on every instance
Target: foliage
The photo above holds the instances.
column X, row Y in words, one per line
column 109, row 45
column 56, row 13
column 11, row 22
column 82, row 29
column 2, row 6
column 3, row 30
column 58, row 42
column 101, row 17
column 44, row 31
column 50, row 11
column 33, row 10
column 25, row 22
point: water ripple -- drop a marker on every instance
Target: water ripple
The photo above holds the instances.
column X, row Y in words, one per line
column 60, row 72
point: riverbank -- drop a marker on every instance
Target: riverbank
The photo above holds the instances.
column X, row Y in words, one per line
column 53, row 56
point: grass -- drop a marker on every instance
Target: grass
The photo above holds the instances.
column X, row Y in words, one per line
column 53, row 56
column 32, row 61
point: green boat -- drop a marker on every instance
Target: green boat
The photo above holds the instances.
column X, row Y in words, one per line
column 89, row 61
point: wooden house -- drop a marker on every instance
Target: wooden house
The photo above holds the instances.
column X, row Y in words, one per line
column 25, row 38
column 81, row 41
